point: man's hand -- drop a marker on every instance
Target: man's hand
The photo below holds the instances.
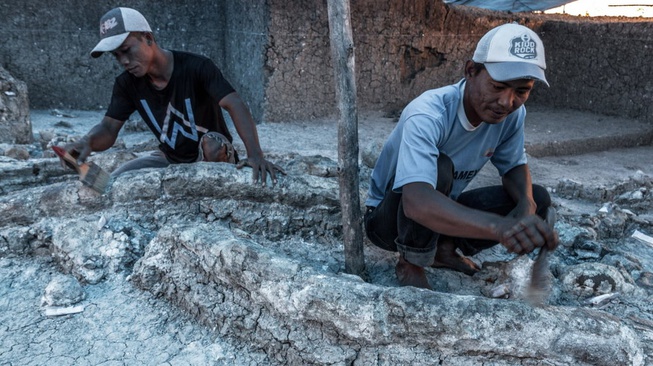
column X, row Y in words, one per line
column 101, row 137
column 528, row 233
column 260, row 168
column 79, row 149
column 522, row 209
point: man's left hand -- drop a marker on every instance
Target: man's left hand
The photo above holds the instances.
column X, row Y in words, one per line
column 260, row 169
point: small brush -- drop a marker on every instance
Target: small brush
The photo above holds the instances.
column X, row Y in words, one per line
column 90, row 174
column 539, row 287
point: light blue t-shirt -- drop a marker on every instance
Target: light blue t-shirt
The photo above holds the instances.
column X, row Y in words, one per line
column 436, row 122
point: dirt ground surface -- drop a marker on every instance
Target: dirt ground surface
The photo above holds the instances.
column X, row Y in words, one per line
column 121, row 325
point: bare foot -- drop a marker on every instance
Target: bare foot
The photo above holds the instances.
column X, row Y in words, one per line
column 409, row 274
column 447, row 257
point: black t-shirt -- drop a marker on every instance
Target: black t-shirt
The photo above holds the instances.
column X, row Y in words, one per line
column 181, row 113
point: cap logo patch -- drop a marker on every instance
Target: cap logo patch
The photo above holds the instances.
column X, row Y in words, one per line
column 523, row 47
column 108, row 25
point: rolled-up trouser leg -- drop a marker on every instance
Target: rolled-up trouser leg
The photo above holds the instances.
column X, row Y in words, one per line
column 496, row 200
column 387, row 227
column 416, row 243
column 381, row 221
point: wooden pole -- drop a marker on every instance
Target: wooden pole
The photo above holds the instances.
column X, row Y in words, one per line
column 342, row 55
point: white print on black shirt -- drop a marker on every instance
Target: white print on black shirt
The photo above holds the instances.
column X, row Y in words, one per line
column 173, row 114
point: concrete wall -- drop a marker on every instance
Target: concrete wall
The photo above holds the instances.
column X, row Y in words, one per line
column 277, row 55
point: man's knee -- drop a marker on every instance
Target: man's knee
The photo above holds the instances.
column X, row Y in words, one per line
column 215, row 147
column 383, row 236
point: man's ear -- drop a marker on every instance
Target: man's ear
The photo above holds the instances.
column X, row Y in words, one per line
column 470, row 69
column 149, row 38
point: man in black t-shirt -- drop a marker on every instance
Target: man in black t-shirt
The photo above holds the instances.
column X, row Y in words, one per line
column 179, row 95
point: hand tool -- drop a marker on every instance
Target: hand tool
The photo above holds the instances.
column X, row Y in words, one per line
column 90, row 173
column 539, row 287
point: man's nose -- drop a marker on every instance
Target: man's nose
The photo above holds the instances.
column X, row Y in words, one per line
column 507, row 98
column 123, row 60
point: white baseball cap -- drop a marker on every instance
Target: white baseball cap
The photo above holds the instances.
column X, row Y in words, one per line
column 511, row 52
column 115, row 26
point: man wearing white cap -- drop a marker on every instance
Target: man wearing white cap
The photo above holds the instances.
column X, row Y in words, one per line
column 416, row 204
column 179, row 95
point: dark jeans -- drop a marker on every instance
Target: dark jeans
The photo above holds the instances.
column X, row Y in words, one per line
column 388, row 228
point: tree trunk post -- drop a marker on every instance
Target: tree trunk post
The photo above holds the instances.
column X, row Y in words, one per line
column 342, row 54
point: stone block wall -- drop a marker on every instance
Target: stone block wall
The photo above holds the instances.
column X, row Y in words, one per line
column 276, row 53
column 47, row 45
column 600, row 66
column 402, row 48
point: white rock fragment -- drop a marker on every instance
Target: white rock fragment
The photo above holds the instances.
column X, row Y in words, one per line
column 643, row 237
column 58, row 311
column 601, row 299
column 63, row 291
column 501, row 291
column 101, row 222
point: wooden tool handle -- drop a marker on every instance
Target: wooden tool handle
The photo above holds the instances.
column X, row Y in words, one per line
column 65, row 156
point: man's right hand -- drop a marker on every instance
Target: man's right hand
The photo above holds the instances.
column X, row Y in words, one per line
column 79, row 149
column 101, row 137
column 528, row 233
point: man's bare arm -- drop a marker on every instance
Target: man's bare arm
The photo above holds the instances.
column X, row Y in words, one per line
column 101, row 137
column 246, row 129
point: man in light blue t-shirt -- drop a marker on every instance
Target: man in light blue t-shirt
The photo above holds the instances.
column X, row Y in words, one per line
column 416, row 204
